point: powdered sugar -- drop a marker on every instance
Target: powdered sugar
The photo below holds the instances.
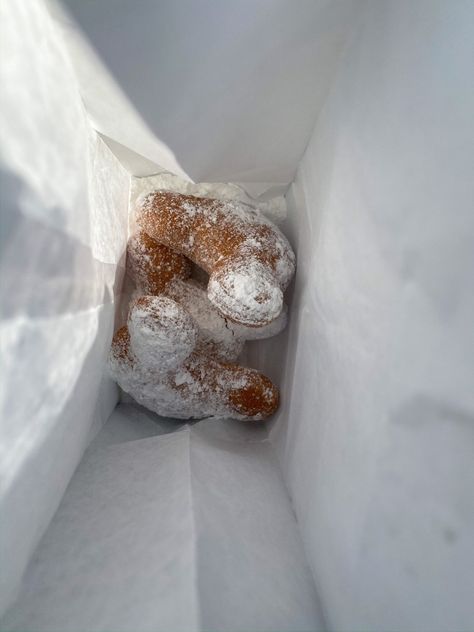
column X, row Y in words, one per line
column 248, row 290
column 216, row 337
column 249, row 259
column 164, row 361
column 194, row 390
column 162, row 333
column 170, row 359
column 274, row 208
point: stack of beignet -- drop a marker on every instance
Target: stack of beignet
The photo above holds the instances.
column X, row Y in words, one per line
column 177, row 353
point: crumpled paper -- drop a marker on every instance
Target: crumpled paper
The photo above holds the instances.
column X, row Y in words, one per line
column 63, row 235
column 165, row 527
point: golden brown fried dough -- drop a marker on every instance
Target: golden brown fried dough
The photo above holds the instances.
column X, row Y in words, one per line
column 249, row 260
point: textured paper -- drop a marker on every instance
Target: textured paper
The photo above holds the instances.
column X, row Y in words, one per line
column 63, row 235
column 190, row 530
column 233, row 89
column 376, row 430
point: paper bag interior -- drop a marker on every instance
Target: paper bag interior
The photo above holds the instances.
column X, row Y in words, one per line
column 352, row 508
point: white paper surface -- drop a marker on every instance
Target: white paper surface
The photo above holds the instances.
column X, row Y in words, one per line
column 233, row 88
column 191, row 530
column 376, row 432
column 110, row 109
column 63, row 234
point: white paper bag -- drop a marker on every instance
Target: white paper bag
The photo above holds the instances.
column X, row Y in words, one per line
column 375, row 434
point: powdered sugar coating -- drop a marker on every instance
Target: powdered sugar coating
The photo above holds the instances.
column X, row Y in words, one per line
column 152, row 266
column 162, row 333
column 225, row 238
column 216, row 337
column 248, row 290
column 265, row 331
column 155, row 269
column 200, row 387
column 164, row 362
column 174, row 356
column 271, row 206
